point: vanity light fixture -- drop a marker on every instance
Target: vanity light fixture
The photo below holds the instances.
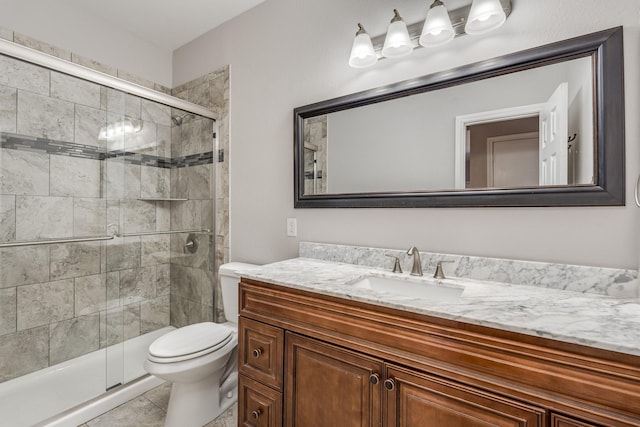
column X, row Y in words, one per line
column 484, row 16
column 439, row 27
column 362, row 53
column 397, row 43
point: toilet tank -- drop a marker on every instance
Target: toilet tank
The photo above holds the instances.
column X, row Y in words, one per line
column 229, row 280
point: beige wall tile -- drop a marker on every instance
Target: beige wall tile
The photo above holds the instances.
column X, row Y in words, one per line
column 24, row 266
column 44, row 303
column 73, row 89
column 7, row 218
column 24, row 173
column 41, row 46
column 74, row 337
column 76, row 177
column 8, row 109
column 45, row 117
column 8, row 310
column 90, row 294
column 75, row 260
column 43, row 217
column 24, row 352
column 22, row 75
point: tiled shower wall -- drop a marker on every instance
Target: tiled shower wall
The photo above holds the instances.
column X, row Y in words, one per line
column 192, row 275
column 59, row 180
column 315, row 141
column 212, row 91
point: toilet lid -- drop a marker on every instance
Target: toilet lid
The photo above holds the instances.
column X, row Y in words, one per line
column 193, row 340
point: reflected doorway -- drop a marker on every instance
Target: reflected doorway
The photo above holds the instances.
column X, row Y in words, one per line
column 517, row 147
column 503, row 154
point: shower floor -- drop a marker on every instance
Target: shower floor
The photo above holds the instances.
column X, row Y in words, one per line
column 149, row 410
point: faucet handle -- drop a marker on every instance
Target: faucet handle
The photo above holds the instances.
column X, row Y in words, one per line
column 396, row 265
column 439, row 274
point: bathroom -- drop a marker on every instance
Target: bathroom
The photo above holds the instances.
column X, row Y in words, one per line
column 300, row 57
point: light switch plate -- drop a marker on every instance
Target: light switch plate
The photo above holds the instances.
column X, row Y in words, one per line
column 292, row 227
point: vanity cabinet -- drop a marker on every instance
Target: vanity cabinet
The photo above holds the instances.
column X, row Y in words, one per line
column 336, row 362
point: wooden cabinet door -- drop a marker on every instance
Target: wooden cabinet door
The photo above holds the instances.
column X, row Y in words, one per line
column 420, row 400
column 327, row 386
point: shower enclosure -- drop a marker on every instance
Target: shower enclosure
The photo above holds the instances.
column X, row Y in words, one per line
column 315, row 155
column 106, row 218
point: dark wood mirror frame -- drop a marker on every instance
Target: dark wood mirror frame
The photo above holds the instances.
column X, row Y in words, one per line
column 606, row 47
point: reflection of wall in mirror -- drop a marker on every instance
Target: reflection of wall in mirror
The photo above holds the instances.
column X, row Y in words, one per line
column 315, row 155
column 408, row 144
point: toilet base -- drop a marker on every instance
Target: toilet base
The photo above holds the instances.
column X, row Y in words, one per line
column 197, row 404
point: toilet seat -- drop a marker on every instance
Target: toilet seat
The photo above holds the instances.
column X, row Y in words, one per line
column 190, row 342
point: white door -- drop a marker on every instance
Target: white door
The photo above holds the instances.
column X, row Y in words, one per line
column 554, row 133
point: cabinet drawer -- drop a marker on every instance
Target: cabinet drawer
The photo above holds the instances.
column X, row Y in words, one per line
column 258, row 405
column 261, row 351
column 558, row 420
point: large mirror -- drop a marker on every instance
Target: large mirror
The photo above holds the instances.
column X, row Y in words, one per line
column 542, row 127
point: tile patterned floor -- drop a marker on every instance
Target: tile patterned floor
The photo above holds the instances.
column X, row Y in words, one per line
column 149, row 409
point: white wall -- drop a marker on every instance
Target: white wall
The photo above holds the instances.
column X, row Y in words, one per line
column 288, row 53
column 88, row 36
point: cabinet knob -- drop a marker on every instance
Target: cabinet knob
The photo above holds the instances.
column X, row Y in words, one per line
column 257, row 352
column 374, row 378
column 256, row 414
column 389, row 384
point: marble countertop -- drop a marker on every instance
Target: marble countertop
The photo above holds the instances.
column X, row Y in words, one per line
column 587, row 319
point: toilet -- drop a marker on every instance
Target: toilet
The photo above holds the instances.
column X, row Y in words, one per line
column 201, row 360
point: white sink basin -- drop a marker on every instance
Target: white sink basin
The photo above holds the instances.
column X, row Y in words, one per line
column 410, row 288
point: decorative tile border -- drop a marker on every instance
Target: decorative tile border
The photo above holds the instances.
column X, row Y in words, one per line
column 577, row 278
column 192, row 160
column 60, row 148
column 47, row 146
column 309, row 174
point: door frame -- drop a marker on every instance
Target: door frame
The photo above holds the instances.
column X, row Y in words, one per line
column 520, row 112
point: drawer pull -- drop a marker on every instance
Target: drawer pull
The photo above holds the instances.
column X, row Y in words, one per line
column 256, row 414
column 257, row 352
column 389, row 384
column 374, row 378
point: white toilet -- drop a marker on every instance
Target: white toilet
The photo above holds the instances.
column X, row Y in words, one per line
column 201, row 360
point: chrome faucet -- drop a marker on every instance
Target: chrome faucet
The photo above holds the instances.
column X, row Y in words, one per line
column 416, row 270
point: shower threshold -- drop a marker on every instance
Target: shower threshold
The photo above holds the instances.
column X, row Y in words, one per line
column 73, row 392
